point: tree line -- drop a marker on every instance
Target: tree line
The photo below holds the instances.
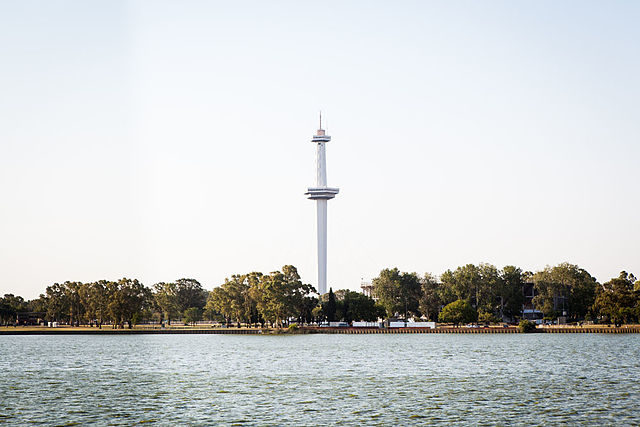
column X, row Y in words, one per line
column 484, row 293
column 470, row 293
column 274, row 299
column 280, row 298
column 118, row 303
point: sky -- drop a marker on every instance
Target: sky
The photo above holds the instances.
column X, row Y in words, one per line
column 163, row 139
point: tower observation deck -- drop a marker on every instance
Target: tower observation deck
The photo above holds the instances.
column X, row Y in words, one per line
column 321, row 193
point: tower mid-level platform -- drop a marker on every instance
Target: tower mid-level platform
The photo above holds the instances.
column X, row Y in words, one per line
column 321, row 193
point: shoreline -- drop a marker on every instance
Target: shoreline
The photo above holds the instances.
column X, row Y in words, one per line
column 630, row 329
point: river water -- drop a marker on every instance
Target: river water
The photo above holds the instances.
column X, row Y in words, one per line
column 320, row 379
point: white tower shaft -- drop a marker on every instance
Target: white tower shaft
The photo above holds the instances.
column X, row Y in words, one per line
column 321, row 166
column 321, row 206
column 321, row 193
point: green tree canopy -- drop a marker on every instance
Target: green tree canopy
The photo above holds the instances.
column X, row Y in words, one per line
column 349, row 306
column 479, row 285
column 510, row 293
column 189, row 293
column 219, row 302
column 72, row 294
column 173, row 298
column 233, row 299
column 458, row 312
column 430, row 302
column 58, row 303
column 565, row 287
column 38, row 304
column 127, row 298
column 95, row 298
column 10, row 306
column 165, row 297
column 192, row 315
column 331, row 307
column 398, row 292
column 280, row 295
column 618, row 301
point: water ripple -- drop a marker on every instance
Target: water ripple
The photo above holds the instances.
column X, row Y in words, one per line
column 320, row 379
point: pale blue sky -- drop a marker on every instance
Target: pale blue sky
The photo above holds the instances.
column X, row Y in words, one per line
column 161, row 140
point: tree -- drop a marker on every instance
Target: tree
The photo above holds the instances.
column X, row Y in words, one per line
column 233, row 298
column 489, row 287
column 307, row 315
column 192, row 315
column 565, row 287
column 429, row 303
column 297, row 291
column 10, row 306
column 38, row 304
column 127, row 298
column 478, row 284
column 318, row 313
column 58, row 303
column 236, row 290
column 76, row 309
column 398, row 292
column 166, row 299
column 189, row 293
column 617, row 300
column 526, row 326
column 173, row 298
column 458, row 312
column 7, row 313
column 219, row 302
column 64, row 302
column 487, row 317
column 251, row 306
column 510, row 292
column 462, row 283
column 94, row 298
column 279, row 296
column 331, row 307
column 359, row 307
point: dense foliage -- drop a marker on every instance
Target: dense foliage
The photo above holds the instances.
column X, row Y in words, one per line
column 618, row 300
column 498, row 294
column 564, row 288
column 470, row 293
column 398, row 292
column 280, row 298
column 526, row 326
column 458, row 312
column 10, row 305
column 494, row 294
column 277, row 299
column 119, row 303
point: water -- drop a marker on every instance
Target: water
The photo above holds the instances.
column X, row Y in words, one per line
column 320, row 379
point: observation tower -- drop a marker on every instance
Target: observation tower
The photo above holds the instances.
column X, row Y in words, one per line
column 321, row 194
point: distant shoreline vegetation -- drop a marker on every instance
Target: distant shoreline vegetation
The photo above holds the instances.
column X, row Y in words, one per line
column 469, row 294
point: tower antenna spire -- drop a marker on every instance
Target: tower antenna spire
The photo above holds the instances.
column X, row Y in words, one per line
column 320, row 120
